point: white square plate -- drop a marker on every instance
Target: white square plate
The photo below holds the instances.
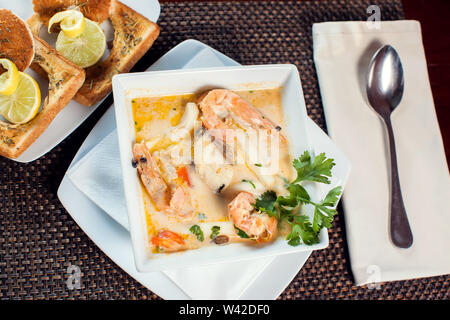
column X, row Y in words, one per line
column 114, row 240
column 156, row 83
column 73, row 114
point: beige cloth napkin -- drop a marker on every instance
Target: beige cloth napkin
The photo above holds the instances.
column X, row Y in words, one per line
column 342, row 51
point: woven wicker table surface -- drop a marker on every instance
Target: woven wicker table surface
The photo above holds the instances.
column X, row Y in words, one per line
column 39, row 239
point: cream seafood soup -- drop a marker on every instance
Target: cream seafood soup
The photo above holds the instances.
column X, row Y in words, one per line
column 203, row 160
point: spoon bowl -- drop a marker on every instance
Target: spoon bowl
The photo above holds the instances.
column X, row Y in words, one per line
column 385, row 82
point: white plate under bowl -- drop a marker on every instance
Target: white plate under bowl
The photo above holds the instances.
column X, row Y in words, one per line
column 114, row 240
column 175, row 82
column 73, row 114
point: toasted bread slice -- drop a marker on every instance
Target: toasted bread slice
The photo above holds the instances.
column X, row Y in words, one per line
column 133, row 36
column 65, row 78
column 16, row 40
column 95, row 10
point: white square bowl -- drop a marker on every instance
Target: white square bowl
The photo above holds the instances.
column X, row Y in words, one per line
column 157, row 83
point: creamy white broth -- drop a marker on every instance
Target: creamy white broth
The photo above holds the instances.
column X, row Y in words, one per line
column 155, row 116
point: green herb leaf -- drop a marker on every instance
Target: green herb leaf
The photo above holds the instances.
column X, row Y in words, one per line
column 285, row 213
column 317, row 169
column 251, row 182
column 324, row 212
column 302, row 231
column 258, row 165
column 241, row 233
column 297, row 195
column 332, row 197
column 197, row 231
column 287, row 208
column 293, row 238
column 305, row 230
column 215, row 230
column 266, row 203
column 201, row 216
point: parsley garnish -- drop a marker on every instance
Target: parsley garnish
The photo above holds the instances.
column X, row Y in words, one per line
column 215, row 230
column 241, row 233
column 201, row 216
column 258, row 165
column 197, row 231
column 318, row 170
column 251, row 182
column 286, row 208
column 266, row 203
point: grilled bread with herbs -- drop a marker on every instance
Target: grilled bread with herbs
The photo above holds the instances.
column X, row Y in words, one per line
column 134, row 34
column 65, row 78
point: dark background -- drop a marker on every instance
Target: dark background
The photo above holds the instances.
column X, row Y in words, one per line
column 433, row 16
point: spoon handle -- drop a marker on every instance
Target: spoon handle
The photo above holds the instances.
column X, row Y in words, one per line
column 400, row 230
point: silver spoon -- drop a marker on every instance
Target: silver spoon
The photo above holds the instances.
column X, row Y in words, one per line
column 384, row 91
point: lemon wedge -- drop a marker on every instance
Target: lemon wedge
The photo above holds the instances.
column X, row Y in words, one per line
column 71, row 22
column 9, row 79
column 86, row 49
column 23, row 104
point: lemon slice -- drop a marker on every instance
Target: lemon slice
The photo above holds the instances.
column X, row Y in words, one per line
column 86, row 49
column 23, row 104
column 9, row 79
column 71, row 22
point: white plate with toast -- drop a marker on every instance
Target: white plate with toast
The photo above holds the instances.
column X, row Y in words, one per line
column 114, row 238
column 73, row 114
